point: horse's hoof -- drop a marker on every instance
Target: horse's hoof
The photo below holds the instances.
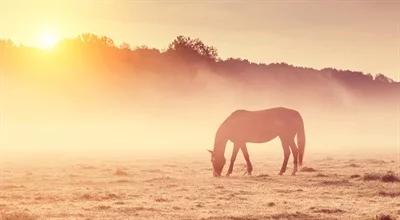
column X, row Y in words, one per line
column 228, row 174
column 280, row 173
column 293, row 174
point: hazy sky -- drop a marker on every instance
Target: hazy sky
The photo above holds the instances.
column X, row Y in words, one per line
column 356, row 35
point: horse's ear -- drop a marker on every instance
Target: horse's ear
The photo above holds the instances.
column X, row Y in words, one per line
column 211, row 152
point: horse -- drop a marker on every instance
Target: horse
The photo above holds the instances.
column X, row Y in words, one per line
column 261, row 126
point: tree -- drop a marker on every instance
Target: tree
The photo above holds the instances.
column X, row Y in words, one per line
column 6, row 43
column 193, row 48
column 93, row 39
column 383, row 78
column 125, row 46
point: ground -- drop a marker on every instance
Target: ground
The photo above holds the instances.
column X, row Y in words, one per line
column 183, row 188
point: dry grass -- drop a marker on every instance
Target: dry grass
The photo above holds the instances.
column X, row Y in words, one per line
column 372, row 176
column 120, row 172
column 186, row 190
column 280, row 216
column 17, row 216
column 342, row 182
column 390, row 193
column 355, row 176
column 307, row 169
column 327, row 210
column 354, row 165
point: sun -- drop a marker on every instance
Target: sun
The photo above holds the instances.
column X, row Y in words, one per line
column 47, row 40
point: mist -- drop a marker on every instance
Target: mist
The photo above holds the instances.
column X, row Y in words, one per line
column 143, row 102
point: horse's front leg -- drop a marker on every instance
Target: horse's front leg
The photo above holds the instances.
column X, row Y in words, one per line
column 233, row 158
column 247, row 158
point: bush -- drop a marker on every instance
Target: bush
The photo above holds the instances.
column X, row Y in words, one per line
column 384, row 217
column 390, row 176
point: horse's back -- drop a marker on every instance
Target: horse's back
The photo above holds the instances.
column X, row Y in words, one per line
column 261, row 125
column 266, row 114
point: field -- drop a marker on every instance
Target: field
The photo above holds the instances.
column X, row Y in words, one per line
column 333, row 187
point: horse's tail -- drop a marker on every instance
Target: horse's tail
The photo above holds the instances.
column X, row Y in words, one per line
column 301, row 139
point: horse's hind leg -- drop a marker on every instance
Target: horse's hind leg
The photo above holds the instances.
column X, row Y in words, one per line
column 247, row 158
column 235, row 151
column 286, row 154
column 295, row 153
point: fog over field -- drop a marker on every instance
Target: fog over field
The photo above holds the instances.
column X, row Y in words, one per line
column 88, row 96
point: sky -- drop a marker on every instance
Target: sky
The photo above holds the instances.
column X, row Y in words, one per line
column 356, row 35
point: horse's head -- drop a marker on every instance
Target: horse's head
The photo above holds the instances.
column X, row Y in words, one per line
column 218, row 163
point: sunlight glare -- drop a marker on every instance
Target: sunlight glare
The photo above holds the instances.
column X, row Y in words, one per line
column 47, row 40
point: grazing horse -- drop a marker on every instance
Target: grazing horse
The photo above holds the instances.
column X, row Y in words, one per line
column 261, row 126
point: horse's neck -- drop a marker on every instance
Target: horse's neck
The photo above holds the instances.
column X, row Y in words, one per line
column 219, row 146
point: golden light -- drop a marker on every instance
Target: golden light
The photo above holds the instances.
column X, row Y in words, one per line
column 47, row 40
